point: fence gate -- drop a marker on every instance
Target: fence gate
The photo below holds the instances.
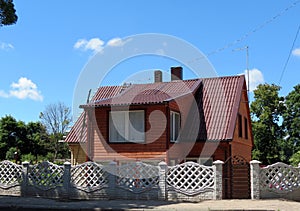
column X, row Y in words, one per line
column 236, row 178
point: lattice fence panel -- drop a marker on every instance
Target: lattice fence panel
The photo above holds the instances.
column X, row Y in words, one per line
column 45, row 175
column 10, row 174
column 137, row 177
column 280, row 178
column 191, row 178
column 89, row 176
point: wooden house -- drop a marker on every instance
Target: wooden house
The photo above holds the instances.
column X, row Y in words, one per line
column 201, row 120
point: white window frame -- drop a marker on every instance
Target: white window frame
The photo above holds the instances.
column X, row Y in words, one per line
column 126, row 127
column 173, row 126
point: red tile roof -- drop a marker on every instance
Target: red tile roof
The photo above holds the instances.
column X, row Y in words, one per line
column 138, row 94
column 78, row 132
column 218, row 101
column 219, row 104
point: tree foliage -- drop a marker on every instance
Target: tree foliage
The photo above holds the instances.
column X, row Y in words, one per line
column 38, row 140
column 7, row 13
column 57, row 118
column 276, row 125
column 16, row 136
column 295, row 159
column 291, row 119
column 266, row 110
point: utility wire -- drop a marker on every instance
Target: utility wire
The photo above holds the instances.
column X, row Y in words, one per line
column 288, row 58
column 245, row 36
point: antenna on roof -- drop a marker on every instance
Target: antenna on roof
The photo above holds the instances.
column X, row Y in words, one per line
column 84, row 117
column 88, row 97
column 247, row 64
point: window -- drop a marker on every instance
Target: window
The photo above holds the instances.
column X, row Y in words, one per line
column 240, row 125
column 126, row 126
column 174, row 126
column 246, row 127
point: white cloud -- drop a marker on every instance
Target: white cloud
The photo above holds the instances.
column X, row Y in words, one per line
column 296, row 52
column 94, row 44
column 6, row 46
column 23, row 89
column 97, row 45
column 115, row 42
column 80, row 43
column 255, row 78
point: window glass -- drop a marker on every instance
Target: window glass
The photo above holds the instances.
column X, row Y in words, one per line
column 126, row 126
column 174, row 126
column 136, row 130
column 246, row 127
column 240, row 125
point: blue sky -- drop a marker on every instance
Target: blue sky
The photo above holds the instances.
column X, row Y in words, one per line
column 41, row 56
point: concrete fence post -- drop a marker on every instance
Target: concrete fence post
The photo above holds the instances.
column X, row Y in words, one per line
column 254, row 179
column 218, row 165
column 112, row 180
column 163, row 168
column 66, row 179
column 24, row 186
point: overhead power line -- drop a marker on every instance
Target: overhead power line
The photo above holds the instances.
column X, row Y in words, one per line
column 245, row 36
column 289, row 55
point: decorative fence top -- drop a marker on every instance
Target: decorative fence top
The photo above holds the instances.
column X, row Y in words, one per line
column 89, row 176
column 10, row 174
column 280, row 178
column 45, row 175
column 137, row 177
column 191, row 178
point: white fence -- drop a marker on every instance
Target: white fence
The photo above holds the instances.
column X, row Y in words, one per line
column 188, row 181
column 275, row 181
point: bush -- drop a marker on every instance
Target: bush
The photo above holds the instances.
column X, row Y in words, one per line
column 295, row 159
column 29, row 158
column 50, row 156
column 10, row 154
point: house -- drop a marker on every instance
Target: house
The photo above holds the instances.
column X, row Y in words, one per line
column 199, row 120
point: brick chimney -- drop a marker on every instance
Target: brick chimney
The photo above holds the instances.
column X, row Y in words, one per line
column 157, row 76
column 176, row 73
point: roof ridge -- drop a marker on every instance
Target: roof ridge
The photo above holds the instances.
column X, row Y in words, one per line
column 223, row 77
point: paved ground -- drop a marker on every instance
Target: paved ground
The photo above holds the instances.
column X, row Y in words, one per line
column 24, row 203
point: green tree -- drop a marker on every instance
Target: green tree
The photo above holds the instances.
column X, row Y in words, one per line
column 57, row 118
column 7, row 13
column 266, row 111
column 11, row 153
column 37, row 139
column 31, row 138
column 291, row 119
column 8, row 135
column 295, row 159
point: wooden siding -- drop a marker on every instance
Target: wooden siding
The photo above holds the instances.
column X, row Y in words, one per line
column 241, row 146
column 78, row 153
column 154, row 146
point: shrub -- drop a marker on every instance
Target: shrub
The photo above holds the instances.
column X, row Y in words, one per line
column 295, row 159
column 29, row 157
column 10, row 154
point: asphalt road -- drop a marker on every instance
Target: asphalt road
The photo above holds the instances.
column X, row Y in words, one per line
column 27, row 203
